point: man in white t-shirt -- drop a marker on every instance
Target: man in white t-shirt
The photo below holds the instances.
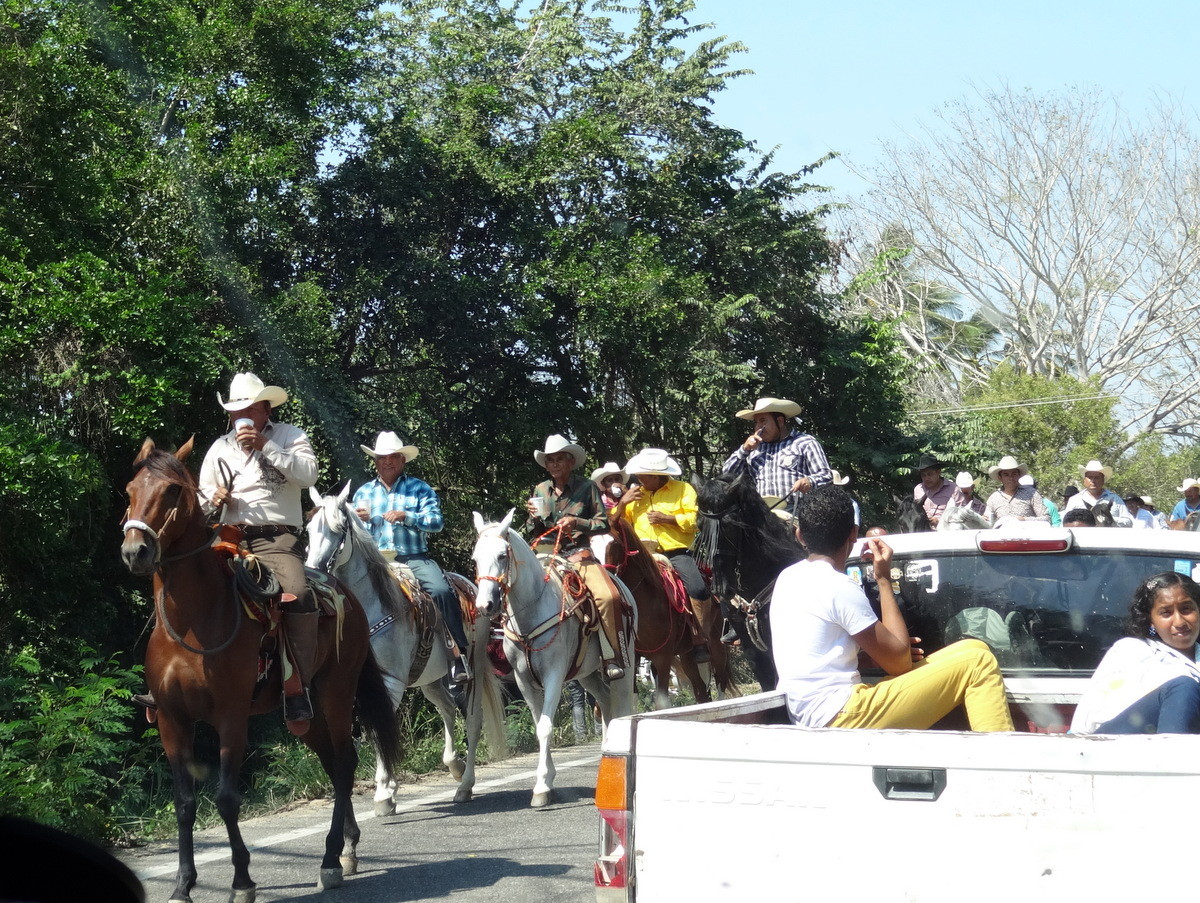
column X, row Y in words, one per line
column 821, row 619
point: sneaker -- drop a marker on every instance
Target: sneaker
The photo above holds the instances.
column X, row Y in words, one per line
column 613, row 671
column 297, row 708
column 145, row 700
column 700, row 654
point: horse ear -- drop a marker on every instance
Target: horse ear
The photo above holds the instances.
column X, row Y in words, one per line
column 315, row 496
column 147, row 447
column 344, row 494
column 186, row 448
column 507, row 520
column 480, row 523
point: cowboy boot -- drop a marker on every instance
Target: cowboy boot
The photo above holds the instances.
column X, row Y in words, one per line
column 301, row 629
column 460, row 673
column 700, row 653
column 613, row 669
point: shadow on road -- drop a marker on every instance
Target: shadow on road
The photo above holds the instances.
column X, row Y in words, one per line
column 428, row 880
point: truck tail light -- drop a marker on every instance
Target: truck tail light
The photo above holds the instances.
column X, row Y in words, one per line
column 1011, row 545
column 612, row 805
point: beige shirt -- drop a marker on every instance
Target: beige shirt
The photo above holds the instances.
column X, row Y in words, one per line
column 267, row 484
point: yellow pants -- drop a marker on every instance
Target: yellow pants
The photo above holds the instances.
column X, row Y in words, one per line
column 964, row 673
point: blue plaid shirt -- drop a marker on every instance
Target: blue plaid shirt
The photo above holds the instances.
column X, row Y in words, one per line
column 423, row 513
column 776, row 466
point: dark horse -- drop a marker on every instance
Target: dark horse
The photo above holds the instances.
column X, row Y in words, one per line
column 201, row 665
column 911, row 516
column 747, row 546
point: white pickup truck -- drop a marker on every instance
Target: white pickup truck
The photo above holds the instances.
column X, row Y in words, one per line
column 728, row 801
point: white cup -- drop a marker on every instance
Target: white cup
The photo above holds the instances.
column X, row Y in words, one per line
column 541, row 507
column 241, row 422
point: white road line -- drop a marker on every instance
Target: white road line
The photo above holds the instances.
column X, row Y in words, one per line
column 442, row 796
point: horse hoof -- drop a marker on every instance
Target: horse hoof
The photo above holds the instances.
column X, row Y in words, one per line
column 540, row 800
column 245, row 895
column 349, row 865
column 457, row 769
column 330, row 878
column 463, row 795
column 385, row 807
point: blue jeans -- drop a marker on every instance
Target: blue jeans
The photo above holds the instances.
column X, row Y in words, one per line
column 1174, row 708
column 433, row 581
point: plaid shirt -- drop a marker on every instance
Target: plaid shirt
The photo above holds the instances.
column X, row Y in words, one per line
column 423, row 513
column 582, row 500
column 776, row 466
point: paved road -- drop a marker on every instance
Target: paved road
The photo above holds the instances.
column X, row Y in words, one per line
column 494, row 848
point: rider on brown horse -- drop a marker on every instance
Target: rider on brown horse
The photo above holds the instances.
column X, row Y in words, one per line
column 253, row 476
column 663, row 513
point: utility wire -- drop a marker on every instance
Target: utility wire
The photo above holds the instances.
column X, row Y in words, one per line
column 1004, row 405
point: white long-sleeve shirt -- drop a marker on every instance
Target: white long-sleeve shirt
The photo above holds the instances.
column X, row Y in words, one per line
column 267, row 484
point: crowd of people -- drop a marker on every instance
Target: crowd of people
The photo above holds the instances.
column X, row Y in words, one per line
column 253, row 476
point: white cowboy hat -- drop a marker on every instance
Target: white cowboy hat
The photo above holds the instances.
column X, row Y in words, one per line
column 557, row 443
column 610, row 469
column 1187, row 484
column 838, row 479
column 653, row 461
column 1026, row 480
column 247, row 389
column 1095, row 466
column 1147, row 501
column 1008, row 462
column 771, row 406
column 388, row 443
column 964, row 480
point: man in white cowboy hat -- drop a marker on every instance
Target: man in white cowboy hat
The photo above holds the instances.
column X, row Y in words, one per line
column 1142, row 518
column 964, row 493
column 1095, row 475
column 611, row 480
column 1159, row 517
column 1051, row 505
column 573, row 504
column 1189, row 504
column 663, row 510
column 255, row 475
column 782, row 460
column 1012, row 501
column 402, row 511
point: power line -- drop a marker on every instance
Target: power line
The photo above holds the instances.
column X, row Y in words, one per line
column 1006, row 405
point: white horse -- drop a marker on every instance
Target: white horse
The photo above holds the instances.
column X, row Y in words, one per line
column 540, row 645
column 340, row 544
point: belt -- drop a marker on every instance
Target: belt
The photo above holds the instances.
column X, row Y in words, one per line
column 256, row 531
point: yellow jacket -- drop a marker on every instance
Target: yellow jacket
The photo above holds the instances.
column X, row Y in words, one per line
column 676, row 497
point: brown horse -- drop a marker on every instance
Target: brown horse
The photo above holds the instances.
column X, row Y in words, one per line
column 663, row 633
column 201, row 665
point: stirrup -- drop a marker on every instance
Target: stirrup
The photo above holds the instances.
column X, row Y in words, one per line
column 145, row 700
column 700, row 654
column 458, row 671
column 298, row 708
column 729, row 637
column 613, row 671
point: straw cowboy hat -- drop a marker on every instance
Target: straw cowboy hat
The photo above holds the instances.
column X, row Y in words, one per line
column 247, row 389
column 1187, row 484
column 771, row 406
column 1008, row 462
column 388, row 443
column 1094, row 466
column 653, row 461
column 964, row 480
column 610, row 469
column 557, row 443
column 838, row 479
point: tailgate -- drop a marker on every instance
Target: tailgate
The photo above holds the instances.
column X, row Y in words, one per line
column 724, row 812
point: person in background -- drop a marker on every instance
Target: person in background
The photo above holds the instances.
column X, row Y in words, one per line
column 1159, row 517
column 1189, row 504
column 402, row 511
column 1051, row 507
column 1079, row 517
column 1142, row 519
column 611, row 480
column 783, row 461
column 1149, row 682
column 934, row 492
column 1095, row 475
column 1012, row 501
column 839, row 480
column 964, row 494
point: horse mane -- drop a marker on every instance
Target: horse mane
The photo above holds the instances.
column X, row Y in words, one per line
column 386, row 586
column 165, row 467
column 636, row 554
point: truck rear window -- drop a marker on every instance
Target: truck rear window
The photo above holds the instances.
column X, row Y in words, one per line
column 1041, row 614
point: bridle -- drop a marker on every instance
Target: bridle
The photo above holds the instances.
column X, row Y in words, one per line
column 328, row 562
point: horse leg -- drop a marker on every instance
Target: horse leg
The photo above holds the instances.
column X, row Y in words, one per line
column 443, row 701
column 335, row 748
column 229, row 804
column 542, row 703
column 661, row 662
column 691, row 671
column 177, row 740
column 385, row 782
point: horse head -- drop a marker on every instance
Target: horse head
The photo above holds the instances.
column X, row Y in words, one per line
column 911, row 516
column 1192, row 522
column 329, row 529
column 1102, row 511
column 162, row 503
column 492, row 555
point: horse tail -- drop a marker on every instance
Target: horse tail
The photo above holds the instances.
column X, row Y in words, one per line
column 487, row 685
column 377, row 714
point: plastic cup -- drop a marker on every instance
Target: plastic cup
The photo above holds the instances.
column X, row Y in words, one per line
column 241, row 422
column 541, row 507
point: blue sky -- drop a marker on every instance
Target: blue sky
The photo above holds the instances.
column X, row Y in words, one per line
column 845, row 76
